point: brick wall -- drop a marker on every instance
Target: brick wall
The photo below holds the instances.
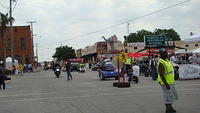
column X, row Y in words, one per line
column 25, row 54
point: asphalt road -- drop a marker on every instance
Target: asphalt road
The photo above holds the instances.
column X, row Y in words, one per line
column 43, row 93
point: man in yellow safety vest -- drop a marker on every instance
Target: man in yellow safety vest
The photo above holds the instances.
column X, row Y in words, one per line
column 166, row 80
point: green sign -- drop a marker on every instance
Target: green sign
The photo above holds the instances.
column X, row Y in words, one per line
column 154, row 40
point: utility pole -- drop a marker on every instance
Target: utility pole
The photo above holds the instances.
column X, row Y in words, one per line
column 37, row 51
column 128, row 29
column 125, row 39
column 32, row 22
column 11, row 34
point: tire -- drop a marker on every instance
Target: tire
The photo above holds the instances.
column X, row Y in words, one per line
column 137, row 80
column 129, row 80
column 116, row 78
column 57, row 74
column 121, row 84
column 101, row 77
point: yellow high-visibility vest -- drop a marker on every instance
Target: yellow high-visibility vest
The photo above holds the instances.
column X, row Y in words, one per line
column 169, row 72
column 128, row 61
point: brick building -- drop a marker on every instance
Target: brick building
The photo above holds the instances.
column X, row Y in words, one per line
column 23, row 44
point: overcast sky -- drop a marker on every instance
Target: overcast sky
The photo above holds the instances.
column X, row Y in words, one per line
column 59, row 21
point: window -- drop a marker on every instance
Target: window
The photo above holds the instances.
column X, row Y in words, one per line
column 135, row 47
column 9, row 44
column 186, row 45
column 196, row 45
column 22, row 43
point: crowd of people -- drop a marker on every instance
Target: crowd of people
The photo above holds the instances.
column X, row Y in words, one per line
column 20, row 69
column 186, row 58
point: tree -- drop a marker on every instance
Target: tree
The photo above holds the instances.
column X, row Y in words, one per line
column 138, row 36
column 170, row 34
column 4, row 21
column 64, row 52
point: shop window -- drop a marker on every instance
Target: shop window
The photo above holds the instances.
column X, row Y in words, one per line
column 22, row 43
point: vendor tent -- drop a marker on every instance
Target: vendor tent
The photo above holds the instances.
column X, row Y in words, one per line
column 180, row 51
column 136, row 55
column 196, row 50
column 9, row 63
column 193, row 38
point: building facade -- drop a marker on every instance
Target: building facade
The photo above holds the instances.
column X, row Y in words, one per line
column 23, row 44
column 101, row 49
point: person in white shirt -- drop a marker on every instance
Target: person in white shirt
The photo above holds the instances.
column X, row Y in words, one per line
column 173, row 58
column 136, row 73
column 136, row 70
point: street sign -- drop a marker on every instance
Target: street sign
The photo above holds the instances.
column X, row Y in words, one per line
column 122, row 57
column 154, row 40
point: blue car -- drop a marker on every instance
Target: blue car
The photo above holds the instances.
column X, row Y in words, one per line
column 103, row 74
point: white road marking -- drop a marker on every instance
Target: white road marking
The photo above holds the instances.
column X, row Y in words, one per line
column 93, row 95
column 89, row 90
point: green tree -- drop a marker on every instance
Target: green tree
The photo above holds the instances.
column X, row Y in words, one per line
column 138, row 36
column 64, row 52
column 4, row 21
column 170, row 34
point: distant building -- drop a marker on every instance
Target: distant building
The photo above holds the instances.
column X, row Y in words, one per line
column 102, row 49
column 23, row 44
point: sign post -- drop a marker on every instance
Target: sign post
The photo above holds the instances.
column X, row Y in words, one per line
column 121, row 58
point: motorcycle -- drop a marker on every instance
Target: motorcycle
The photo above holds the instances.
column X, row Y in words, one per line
column 57, row 72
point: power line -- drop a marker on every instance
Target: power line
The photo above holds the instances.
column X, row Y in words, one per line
column 145, row 15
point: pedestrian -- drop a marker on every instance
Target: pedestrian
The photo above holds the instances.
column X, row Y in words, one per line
column 68, row 71
column 21, row 69
column 128, row 65
column 136, row 72
column 166, row 80
column 2, row 77
column 13, row 70
column 152, row 67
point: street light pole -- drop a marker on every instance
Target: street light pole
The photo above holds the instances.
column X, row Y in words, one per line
column 31, row 22
column 11, row 34
column 37, row 51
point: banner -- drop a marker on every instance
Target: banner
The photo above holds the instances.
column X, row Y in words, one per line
column 189, row 71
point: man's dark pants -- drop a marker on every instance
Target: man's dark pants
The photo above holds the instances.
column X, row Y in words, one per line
column 2, row 82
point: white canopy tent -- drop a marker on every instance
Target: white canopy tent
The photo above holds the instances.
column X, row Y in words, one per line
column 196, row 50
column 193, row 38
column 181, row 51
column 9, row 63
